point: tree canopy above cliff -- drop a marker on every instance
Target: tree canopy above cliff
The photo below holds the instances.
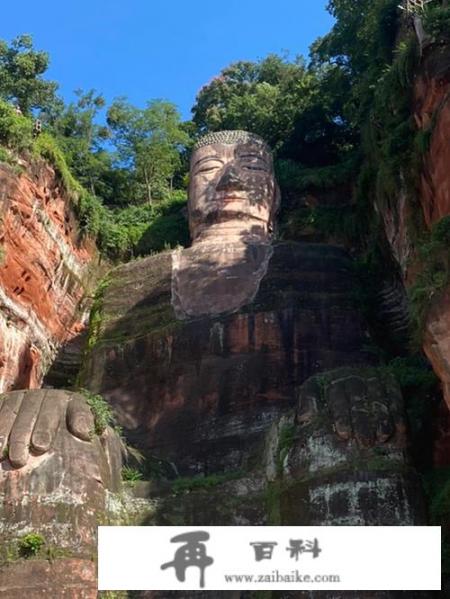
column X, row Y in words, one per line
column 341, row 116
column 21, row 71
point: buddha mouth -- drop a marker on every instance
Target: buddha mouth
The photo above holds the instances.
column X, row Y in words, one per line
column 229, row 198
column 219, row 215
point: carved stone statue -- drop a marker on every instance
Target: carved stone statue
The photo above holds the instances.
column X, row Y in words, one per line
column 240, row 356
column 209, row 354
column 56, row 475
column 233, row 201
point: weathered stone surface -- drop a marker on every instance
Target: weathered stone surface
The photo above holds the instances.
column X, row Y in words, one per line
column 345, row 460
column 436, row 343
column 55, row 484
column 396, row 219
column 44, row 274
column 233, row 194
column 432, row 112
column 67, row 363
column 211, row 387
column 70, row 578
column 210, row 279
column 441, row 436
column 202, row 392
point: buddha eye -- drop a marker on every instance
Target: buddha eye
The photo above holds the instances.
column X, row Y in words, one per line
column 208, row 169
column 253, row 167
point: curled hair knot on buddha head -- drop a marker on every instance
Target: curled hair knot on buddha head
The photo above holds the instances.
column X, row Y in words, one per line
column 230, row 137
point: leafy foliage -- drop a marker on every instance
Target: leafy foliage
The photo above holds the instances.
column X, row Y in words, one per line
column 412, row 371
column 327, row 222
column 262, row 97
column 434, row 276
column 283, row 101
column 16, row 131
column 186, row 484
column 102, row 411
column 131, row 474
column 437, row 22
column 21, row 70
column 81, row 139
column 145, row 229
column 30, row 544
column 148, row 143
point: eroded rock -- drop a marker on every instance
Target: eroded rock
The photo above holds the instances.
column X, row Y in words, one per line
column 55, row 477
column 202, row 392
column 45, row 273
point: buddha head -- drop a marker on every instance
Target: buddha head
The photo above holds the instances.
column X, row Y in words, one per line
column 233, row 194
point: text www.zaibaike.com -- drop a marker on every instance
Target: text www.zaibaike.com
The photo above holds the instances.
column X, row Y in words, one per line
column 277, row 577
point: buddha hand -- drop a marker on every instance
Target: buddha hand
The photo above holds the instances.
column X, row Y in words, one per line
column 363, row 404
column 30, row 420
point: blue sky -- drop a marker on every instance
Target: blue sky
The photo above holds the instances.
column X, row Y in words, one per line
column 146, row 49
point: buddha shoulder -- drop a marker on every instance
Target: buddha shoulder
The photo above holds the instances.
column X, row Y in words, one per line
column 139, row 297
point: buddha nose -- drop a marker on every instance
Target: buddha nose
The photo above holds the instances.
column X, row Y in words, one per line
column 230, row 180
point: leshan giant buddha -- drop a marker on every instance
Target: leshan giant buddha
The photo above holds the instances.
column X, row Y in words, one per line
column 244, row 355
column 202, row 351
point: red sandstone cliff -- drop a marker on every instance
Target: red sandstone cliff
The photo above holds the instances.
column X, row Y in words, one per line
column 45, row 272
column 432, row 111
column 432, row 115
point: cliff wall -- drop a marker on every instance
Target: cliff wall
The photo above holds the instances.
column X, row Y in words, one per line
column 46, row 272
column 431, row 112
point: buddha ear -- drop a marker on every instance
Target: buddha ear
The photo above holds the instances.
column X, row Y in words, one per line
column 275, row 208
column 277, row 199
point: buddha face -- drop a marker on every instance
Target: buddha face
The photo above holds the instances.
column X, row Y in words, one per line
column 232, row 192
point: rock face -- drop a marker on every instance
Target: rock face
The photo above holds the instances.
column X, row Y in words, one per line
column 269, row 403
column 45, row 273
column 220, row 394
column 61, row 492
column 201, row 392
column 280, row 400
column 75, row 578
column 432, row 116
column 436, row 342
column 347, row 461
column 432, row 113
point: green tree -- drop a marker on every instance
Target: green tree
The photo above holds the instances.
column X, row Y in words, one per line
column 149, row 143
column 21, row 70
column 264, row 97
column 76, row 128
column 361, row 45
column 296, row 108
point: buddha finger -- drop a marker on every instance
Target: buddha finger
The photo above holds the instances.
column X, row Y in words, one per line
column 340, row 409
column 308, row 397
column 20, row 437
column 384, row 425
column 396, row 408
column 395, row 397
column 363, row 425
column 80, row 420
column 48, row 421
column 8, row 413
column 382, row 421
